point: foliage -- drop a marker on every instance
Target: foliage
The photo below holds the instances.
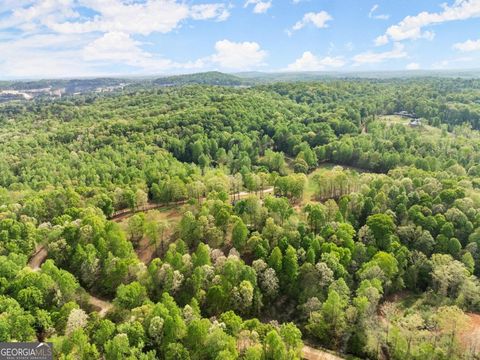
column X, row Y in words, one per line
column 267, row 224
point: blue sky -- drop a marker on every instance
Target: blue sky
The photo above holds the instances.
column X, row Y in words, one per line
column 68, row 38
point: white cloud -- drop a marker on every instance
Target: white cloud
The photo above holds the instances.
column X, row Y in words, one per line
column 310, row 62
column 60, row 55
column 116, row 47
column 209, row 11
column 384, row 39
column 370, row 57
column 87, row 55
column 42, row 41
column 319, row 20
column 413, row 66
column 8, row 5
column 372, row 14
column 29, row 16
column 467, row 46
column 411, row 27
column 143, row 18
column 238, row 55
column 260, row 6
column 54, row 38
column 381, row 40
column 32, row 56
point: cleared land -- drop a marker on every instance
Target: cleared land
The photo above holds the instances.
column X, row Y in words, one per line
column 170, row 216
column 423, row 128
column 309, row 353
column 468, row 335
column 38, row 258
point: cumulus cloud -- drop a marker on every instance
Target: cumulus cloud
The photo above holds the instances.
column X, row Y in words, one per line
column 115, row 47
column 259, row 6
column 31, row 56
column 150, row 16
column 319, row 20
column 238, row 55
column 384, row 39
column 412, row 27
column 30, row 16
column 80, row 55
column 310, row 62
column 87, row 55
column 370, row 57
column 467, row 46
column 8, row 5
column 412, row 66
column 373, row 15
column 52, row 38
column 381, row 40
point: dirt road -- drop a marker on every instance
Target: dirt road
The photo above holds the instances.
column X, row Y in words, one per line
column 101, row 306
column 470, row 336
column 309, row 353
column 38, row 258
column 122, row 214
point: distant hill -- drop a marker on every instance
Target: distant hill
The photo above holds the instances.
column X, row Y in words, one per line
column 205, row 78
column 70, row 85
column 263, row 77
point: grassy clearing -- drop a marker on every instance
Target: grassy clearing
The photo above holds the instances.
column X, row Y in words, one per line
column 170, row 215
column 323, row 169
column 424, row 128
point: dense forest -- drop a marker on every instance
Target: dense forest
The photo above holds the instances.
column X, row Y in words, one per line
column 207, row 78
column 193, row 221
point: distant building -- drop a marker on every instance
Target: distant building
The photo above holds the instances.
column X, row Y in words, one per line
column 415, row 122
column 414, row 119
column 406, row 114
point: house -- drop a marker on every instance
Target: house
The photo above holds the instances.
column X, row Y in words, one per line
column 406, row 114
column 415, row 122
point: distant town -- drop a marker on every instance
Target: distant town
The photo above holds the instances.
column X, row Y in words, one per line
column 56, row 89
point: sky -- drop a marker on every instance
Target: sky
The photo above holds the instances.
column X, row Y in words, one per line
column 84, row 38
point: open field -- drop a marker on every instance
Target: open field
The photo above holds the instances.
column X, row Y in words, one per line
column 423, row 128
column 327, row 169
column 309, row 353
column 170, row 216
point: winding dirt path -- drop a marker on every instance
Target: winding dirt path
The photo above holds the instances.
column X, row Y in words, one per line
column 244, row 194
column 309, row 353
column 36, row 261
column 101, row 306
column 38, row 258
column 470, row 336
column 125, row 213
